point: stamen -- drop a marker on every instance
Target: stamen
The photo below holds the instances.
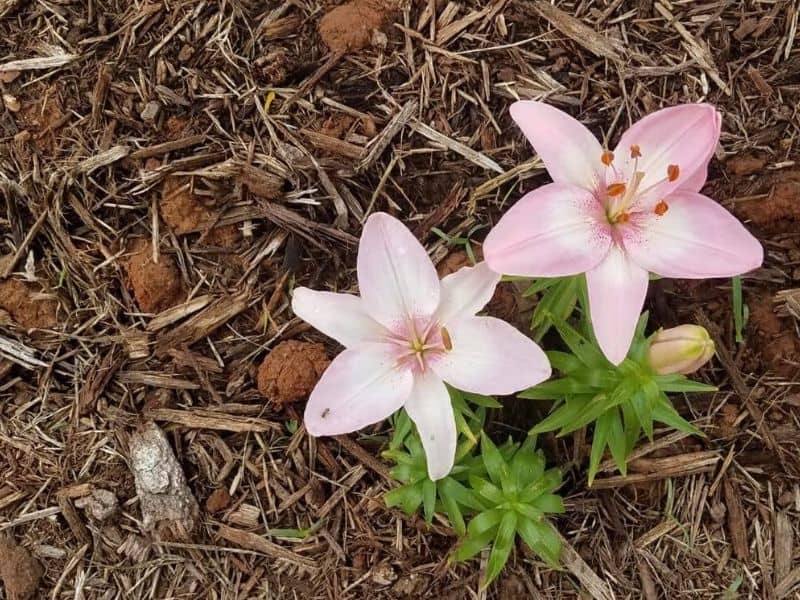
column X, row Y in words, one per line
column 661, row 208
column 607, row 158
column 635, row 152
column 673, row 172
column 447, row 342
column 622, row 218
column 616, row 189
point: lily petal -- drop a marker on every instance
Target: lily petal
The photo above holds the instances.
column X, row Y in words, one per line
column 694, row 239
column 489, row 356
column 396, row 277
column 684, row 135
column 466, row 291
column 430, row 408
column 568, row 149
column 617, row 288
column 360, row 387
column 340, row 316
column 553, row 231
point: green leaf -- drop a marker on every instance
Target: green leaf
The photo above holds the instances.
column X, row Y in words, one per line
column 480, row 400
column 617, row 442
column 408, row 498
column 464, row 496
column 428, row 499
column 561, row 416
column 402, row 427
column 488, row 520
column 454, row 514
column 556, row 304
column 664, row 412
column 643, row 413
column 668, row 383
column 738, row 308
column 495, row 465
column 601, row 403
column 471, row 545
column 582, row 348
column 631, row 425
column 539, row 285
column 601, row 431
column 501, row 549
column 549, row 503
column 563, row 361
column 548, row 482
column 542, row 539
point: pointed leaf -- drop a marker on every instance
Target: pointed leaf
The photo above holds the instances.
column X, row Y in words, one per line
column 428, row 499
column 471, row 545
column 542, row 539
column 501, row 548
column 617, row 442
column 495, row 464
column 549, row 503
column 665, row 413
column 601, row 432
column 488, row 520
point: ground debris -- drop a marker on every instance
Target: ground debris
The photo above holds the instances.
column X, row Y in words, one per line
column 19, row 571
column 100, row 504
column 165, row 499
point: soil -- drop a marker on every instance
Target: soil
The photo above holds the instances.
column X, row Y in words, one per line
column 19, row 571
column 244, row 92
column 156, row 286
column 291, row 370
column 28, row 305
column 779, row 212
column 218, row 501
column 181, row 210
column 350, row 26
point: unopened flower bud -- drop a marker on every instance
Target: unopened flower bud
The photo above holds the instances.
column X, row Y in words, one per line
column 682, row 349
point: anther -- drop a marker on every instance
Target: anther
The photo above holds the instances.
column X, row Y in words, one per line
column 447, row 341
column 616, row 189
column 635, row 152
column 622, row 218
column 661, row 208
column 673, row 172
column 607, row 158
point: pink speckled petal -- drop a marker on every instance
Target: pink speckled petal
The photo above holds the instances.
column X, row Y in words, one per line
column 617, row 288
column 360, row 387
column 430, row 408
column 694, row 239
column 553, row 231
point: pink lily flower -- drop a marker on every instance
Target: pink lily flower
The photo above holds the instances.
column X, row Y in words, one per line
column 405, row 337
column 618, row 216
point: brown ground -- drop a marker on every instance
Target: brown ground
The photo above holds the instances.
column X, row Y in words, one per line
column 287, row 146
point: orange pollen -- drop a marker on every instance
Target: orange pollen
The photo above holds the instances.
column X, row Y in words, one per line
column 622, row 218
column 635, row 152
column 661, row 208
column 447, row 342
column 607, row 158
column 673, row 172
column 616, row 189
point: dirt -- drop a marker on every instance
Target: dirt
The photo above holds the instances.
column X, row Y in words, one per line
column 19, row 571
column 350, row 27
column 181, row 210
column 745, row 164
column 27, row 304
column 775, row 337
column 779, row 212
column 218, row 501
column 156, row 286
column 291, row 370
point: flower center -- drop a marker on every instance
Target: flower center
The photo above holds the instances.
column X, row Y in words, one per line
column 621, row 195
column 420, row 343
